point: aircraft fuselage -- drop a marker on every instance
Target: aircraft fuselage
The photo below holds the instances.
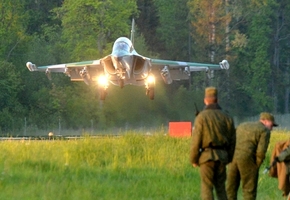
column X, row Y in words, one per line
column 125, row 64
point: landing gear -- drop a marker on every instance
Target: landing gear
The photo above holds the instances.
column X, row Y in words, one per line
column 103, row 94
column 103, row 86
column 149, row 84
column 150, row 93
column 121, row 83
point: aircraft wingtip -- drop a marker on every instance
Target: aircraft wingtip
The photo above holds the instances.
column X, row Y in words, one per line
column 31, row 66
column 224, row 64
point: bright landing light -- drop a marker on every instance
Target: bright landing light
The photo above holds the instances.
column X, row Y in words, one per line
column 150, row 79
column 103, row 81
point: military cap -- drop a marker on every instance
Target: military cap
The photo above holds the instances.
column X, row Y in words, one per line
column 268, row 116
column 210, row 92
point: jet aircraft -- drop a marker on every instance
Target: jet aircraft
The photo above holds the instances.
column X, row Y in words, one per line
column 124, row 66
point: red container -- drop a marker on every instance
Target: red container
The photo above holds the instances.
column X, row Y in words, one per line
column 180, row 129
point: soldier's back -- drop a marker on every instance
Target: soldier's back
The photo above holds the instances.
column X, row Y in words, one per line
column 247, row 138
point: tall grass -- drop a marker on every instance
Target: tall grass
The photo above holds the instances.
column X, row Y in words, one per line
column 133, row 166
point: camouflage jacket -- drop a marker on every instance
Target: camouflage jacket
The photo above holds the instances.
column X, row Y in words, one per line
column 213, row 136
column 252, row 140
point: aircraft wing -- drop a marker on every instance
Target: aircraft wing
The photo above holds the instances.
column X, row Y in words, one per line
column 180, row 70
column 62, row 67
column 77, row 71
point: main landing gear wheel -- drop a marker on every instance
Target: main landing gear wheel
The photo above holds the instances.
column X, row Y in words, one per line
column 150, row 93
column 103, row 94
column 121, row 83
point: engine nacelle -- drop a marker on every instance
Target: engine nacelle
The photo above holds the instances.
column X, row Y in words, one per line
column 165, row 74
column 108, row 65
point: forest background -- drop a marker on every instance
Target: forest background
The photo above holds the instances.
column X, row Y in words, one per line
column 253, row 35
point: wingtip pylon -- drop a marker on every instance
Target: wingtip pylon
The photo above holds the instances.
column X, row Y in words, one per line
column 224, row 64
column 31, row 66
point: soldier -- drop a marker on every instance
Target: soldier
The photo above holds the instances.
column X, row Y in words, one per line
column 284, row 155
column 252, row 139
column 213, row 141
column 280, row 166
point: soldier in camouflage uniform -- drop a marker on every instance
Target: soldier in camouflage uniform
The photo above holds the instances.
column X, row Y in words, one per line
column 280, row 166
column 213, row 141
column 284, row 155
column 252, row 139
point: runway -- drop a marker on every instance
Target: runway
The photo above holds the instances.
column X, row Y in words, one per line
column 58, row 137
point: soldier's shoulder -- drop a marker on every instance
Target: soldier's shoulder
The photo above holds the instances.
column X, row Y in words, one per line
column 204, row 112
column 252, row 126
column 201, row 115
column 246, row 125
column 227, row 114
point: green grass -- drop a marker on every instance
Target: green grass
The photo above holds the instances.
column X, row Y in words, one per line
column 133, row 166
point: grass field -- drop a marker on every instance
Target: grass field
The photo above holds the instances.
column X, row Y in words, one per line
column 132, row 166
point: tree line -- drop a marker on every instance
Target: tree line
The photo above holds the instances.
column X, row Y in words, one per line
column 253, row 35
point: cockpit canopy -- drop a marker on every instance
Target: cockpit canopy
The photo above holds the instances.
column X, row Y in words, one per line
column 122, row 46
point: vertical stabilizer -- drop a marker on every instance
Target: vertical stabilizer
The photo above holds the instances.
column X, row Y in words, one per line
column 132, row 31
